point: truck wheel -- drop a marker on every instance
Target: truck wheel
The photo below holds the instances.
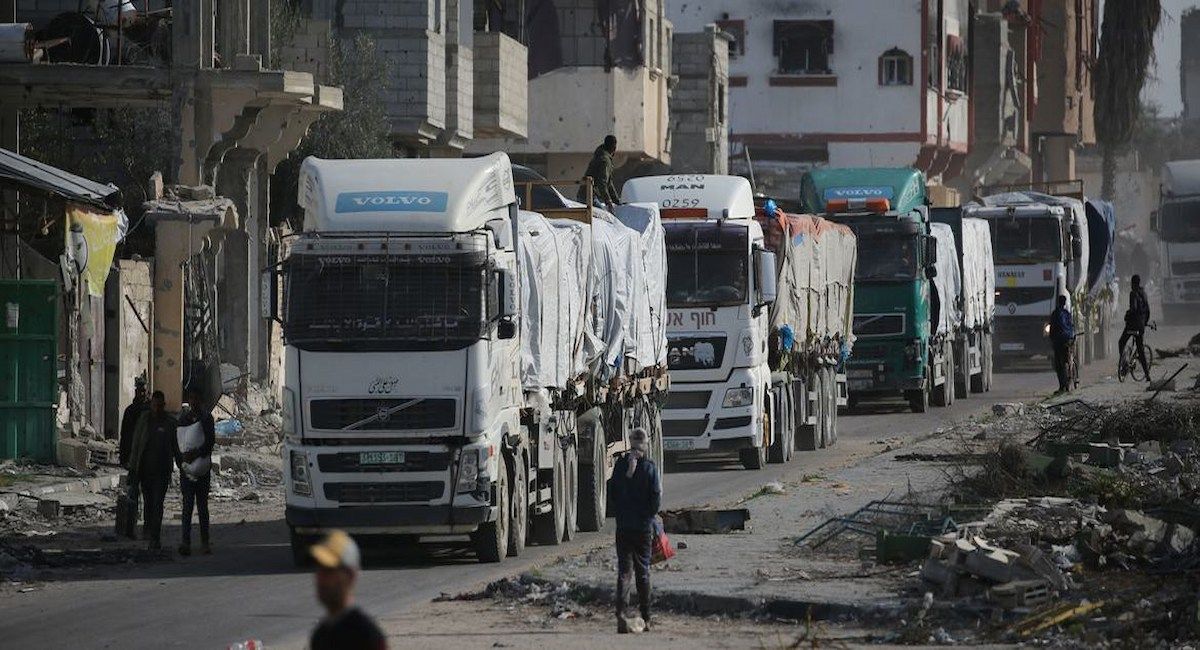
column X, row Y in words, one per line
column 572, row 503
column 941, row 394
column 753, row 458
column 787, row 417
column 491, row 539
column 518, row 530
column 962, row 379
column 776, row 453
column 593, row 484
column 979, row 382
column 918, row 400
column 300, row 545
column 548, row 527
column 823, row 408
column 833, row 405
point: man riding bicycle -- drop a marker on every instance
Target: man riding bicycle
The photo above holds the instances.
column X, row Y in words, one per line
column 1062, row 336
column 1136, row 319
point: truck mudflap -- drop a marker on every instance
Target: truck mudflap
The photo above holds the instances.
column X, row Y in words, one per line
column 390, row 519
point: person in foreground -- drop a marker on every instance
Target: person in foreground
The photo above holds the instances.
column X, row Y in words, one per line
column 637, row 495
column 345, row 626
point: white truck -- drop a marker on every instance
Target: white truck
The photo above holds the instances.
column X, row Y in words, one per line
column 1041, row 251
column 724, row 328
column 1178, row 226
column 975, row 303
column 455, row 366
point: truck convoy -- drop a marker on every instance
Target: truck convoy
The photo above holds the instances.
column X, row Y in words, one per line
column 904, row 346
column 1178, row 224
column 457, row 366
column 972, row 309
column 758, row 320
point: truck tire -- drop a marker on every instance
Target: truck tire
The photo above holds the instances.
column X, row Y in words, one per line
column 823, row 402
column 300, row 546
column 571, row 453
column 918, row 400
column 979, row 382
column 833, row 405
column 962, row 379
column 548, row 528
column 518, row 529
column 776, row 453
column 491, row 539
column 593, row 483
column 753, row 458
column 943, row 395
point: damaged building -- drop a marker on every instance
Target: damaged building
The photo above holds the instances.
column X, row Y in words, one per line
column 196, row 298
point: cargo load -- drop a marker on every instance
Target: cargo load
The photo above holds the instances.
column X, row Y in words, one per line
column 978, row 275
column 947, row 282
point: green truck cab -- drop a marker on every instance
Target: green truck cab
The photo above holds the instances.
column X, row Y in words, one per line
column 897, row 351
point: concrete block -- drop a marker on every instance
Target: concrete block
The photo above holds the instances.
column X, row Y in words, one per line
column 1134, row 522
column 1177, row 540
column 74, row 453
column 49, row 508
column 937, row 572
column 995, row 565
column 1104, row 455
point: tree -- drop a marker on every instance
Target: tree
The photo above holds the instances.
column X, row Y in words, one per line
column 1126, row 50
column 360, row 130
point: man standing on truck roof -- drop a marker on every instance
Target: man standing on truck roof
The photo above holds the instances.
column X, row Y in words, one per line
column 1062, row 335
column 346, row 627
column 1136, row 319
column 637, row 495
column 600, row 169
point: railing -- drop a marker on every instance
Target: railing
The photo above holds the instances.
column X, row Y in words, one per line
column 1071, row 188
column 581, row 214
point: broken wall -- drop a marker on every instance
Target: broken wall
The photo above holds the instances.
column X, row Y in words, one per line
column 129, row 344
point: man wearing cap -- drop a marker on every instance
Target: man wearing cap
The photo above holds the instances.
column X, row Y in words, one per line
column 637, row 494
column 346, row 627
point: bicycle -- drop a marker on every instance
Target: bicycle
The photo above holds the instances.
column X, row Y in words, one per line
column 1072, row 364
column 1127, row 364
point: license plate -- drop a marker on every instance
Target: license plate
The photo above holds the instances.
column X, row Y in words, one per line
column 1012, row 347
column 859, row 384
column 677, row 444
column 861, row 374
column 381, row 458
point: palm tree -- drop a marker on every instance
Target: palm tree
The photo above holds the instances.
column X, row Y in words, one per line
column 1126, row 50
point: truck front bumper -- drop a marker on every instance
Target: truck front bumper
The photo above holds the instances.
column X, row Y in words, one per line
column 390, row 519
column 1020, row 336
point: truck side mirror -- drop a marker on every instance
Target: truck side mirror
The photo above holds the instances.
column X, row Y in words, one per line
column 764, row 262
column 1076, row 242
column 1154, row 221
column 930, row 251
column 506, row 310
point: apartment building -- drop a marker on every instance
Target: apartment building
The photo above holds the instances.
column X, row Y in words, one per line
column 842, row 83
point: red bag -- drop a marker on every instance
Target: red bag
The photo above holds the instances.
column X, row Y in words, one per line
column 660, row 548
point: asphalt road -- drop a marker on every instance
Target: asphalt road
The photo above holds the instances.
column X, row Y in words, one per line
column 249, row 588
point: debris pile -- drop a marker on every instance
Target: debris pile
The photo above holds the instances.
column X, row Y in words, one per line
column 561, row 599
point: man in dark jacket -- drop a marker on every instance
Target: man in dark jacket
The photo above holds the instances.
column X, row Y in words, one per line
column 129, row 419
column 1062, row 334
column 150, row 463
column 1136, row 319
column 195, row 478
column 600, row 169
column 637, row 495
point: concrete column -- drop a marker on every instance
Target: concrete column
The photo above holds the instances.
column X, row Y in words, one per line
column 234, row 17
column 175, row 241
column 260, row 30
column 1056, row 158
column 237, row 179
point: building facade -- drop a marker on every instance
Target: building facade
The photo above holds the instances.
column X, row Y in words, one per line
column 700, row 102
column 842, row 83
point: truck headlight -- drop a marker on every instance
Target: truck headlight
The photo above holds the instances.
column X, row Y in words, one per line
column 473, row 472
column 1046, row 329
column 735, row 397
column 299, row 464
column 912, row 351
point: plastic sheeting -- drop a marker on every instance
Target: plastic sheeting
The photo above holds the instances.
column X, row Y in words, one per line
column 650, row 294
column 545, row 336
column 978, row 274
column 815, row 285
column 1102, row 239
column 947, row 282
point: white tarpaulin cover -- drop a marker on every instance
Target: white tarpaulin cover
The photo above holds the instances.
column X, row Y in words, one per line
column 979, row 275
column 650, row 295
column 816, row 259
column 947, row 282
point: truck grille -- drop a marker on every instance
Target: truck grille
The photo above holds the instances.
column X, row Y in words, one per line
column 414, row 461
column 695, row 399
column 384, row 492
column 1185, row 268
column 695, row 353
column 1023, row 295
column 392, row 414
column 684, row 428
column 878, row 324
column 869, row 353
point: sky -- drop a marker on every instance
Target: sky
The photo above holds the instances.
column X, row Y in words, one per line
column 1163, row 87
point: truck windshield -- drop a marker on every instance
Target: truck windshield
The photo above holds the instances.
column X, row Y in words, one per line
column 886, row 257
column 1026, row 240
column 361, row 302
column 1180, row 222
column 707, row 265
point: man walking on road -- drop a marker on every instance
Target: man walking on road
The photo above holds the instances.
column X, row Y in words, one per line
column 1062, row 335
column 129, row 422
column 1136, row 319
column 346, row 627
column 636, row 495
column 195, row 472
column 600, row 169
column 150, row 457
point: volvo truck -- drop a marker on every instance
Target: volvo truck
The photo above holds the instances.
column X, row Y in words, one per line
column 722, row 283
column 902, row 344
column 454, row 365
